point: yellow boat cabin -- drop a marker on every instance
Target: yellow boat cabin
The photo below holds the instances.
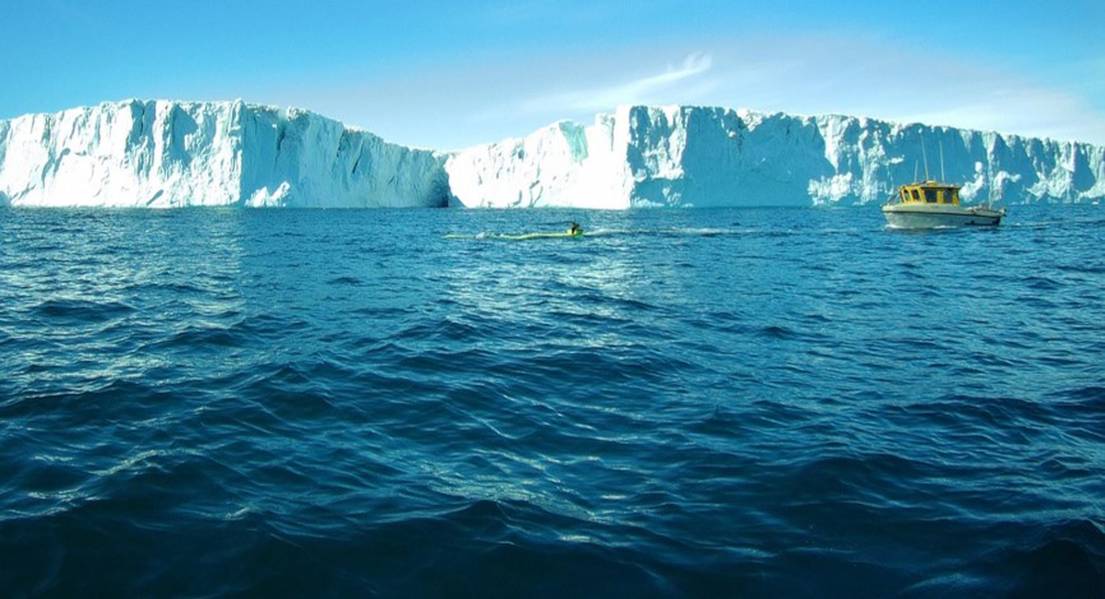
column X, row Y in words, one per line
column 930, row 204
column 929, row 192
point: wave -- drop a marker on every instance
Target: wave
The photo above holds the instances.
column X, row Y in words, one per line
column 81, row 311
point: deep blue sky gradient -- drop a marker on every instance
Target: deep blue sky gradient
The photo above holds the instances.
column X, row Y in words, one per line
column 447, row 74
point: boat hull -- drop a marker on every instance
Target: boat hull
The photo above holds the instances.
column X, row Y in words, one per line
column 909, row 217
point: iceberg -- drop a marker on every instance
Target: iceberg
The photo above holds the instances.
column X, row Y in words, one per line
column 640, row 156
column 170, row 154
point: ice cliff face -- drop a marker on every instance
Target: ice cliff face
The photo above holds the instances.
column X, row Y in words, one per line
column 695, row 156
column 163, row 154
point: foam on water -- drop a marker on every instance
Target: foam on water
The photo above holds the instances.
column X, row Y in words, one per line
column 611, row 232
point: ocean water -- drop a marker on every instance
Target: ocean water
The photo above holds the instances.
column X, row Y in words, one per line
column 746, row 402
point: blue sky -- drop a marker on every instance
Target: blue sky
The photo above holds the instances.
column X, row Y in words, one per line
column 446, row 75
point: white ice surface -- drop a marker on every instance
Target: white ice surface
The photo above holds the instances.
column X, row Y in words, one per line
column 165, row 153
column 700, row 156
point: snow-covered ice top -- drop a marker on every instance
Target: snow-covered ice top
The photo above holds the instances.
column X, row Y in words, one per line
column 165, row 153
column 701, row 156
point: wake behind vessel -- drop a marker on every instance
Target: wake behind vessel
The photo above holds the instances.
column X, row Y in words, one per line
column 574, row 230
column 529, row 236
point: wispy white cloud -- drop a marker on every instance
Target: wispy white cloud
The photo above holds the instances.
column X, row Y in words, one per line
column 878, row 78
column 643, row 90
column 803, row 74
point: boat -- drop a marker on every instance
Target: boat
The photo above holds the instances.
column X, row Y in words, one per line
column 933, row 204
column 930, row 204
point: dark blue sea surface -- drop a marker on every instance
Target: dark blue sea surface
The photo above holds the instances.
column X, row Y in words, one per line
column 681, row 403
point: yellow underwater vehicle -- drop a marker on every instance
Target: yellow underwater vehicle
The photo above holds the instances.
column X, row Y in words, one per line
column 573, row 231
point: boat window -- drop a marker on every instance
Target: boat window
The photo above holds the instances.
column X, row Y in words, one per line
column 930, row 196
column 915, row 196
column 954, row 197
column 905, row 195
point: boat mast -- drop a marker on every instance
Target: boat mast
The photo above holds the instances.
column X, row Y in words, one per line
column 942, row 177
column 925, row 157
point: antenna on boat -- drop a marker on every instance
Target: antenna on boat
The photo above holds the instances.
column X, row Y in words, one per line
column 925, row 157
column 942, row 177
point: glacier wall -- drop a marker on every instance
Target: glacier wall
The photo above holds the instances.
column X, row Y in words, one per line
column 699, row 156
column 167, row 154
